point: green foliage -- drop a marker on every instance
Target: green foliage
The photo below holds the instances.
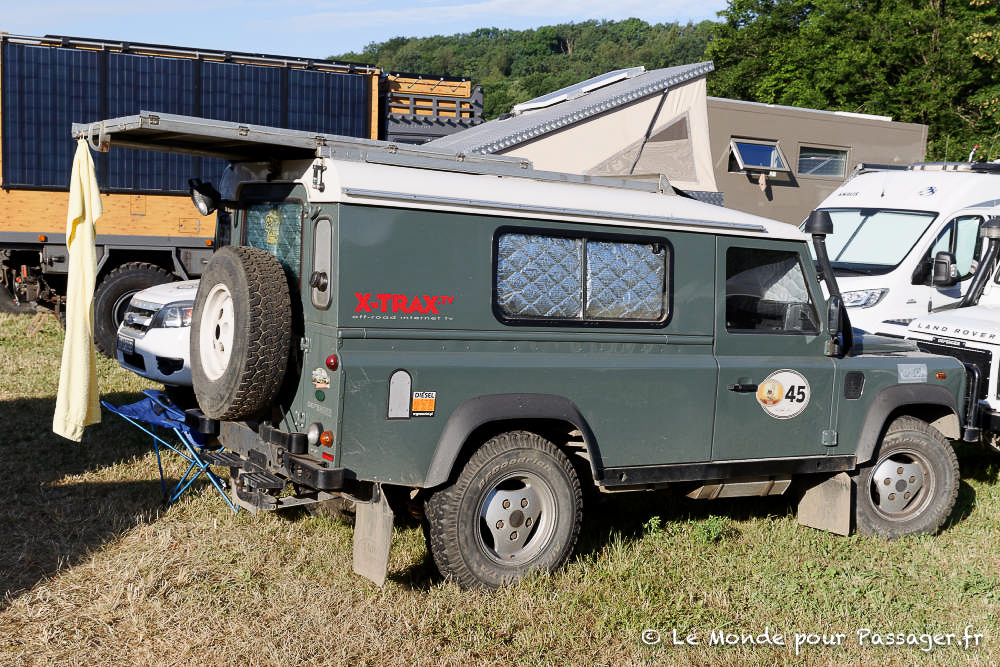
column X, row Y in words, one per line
column 929, row 61
column 517, row 65
column 919, row 62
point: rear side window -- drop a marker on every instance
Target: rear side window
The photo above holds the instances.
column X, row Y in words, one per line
column 557, row 279
column 766, row 293
column 277, row 228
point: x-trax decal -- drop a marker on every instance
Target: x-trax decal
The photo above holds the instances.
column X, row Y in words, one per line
column 400, row 303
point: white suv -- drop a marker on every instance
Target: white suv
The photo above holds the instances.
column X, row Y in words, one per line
column 154, row 336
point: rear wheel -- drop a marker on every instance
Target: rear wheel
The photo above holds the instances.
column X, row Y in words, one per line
column 910, row 487
column 113, row 295
column 515, row 507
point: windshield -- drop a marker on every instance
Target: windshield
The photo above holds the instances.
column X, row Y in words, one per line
column 873, row 241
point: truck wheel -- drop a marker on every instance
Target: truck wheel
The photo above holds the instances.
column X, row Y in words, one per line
column 910, row 487
column 515, row 507
column 113, row 295
column 240, row 333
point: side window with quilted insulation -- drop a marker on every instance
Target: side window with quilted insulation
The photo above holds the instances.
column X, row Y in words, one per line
column 559, row 279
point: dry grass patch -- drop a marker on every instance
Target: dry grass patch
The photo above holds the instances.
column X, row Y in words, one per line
column 94, row 571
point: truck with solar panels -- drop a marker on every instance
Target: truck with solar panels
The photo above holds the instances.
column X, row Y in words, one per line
column 484, row 346
column 149, row 233
column 894, row 227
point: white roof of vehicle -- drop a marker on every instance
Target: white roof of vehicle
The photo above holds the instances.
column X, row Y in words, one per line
column 381, row 185
column 378, row 173
column 916, row 190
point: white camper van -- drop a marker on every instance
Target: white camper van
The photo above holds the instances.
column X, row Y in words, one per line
column 971, row 334
column 891, row 225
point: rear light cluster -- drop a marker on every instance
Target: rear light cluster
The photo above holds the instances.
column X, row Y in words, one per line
column 316, row 434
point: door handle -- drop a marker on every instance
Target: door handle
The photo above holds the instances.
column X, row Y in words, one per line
column 743, row 388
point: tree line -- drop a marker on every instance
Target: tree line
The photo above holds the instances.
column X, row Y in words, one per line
column 935, row 62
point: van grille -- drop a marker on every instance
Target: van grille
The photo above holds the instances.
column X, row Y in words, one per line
column 979, row 358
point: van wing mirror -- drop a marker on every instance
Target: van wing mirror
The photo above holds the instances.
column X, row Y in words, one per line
column 945, row 270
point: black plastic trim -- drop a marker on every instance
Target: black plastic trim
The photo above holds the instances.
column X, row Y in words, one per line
column 196, row 420
column 296, row 443
column 482, row 410
column 891, row 398
column 312, row 472
column 686, row 472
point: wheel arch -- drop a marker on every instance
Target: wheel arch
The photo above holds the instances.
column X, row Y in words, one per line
column 486, row 415
column 932, row 404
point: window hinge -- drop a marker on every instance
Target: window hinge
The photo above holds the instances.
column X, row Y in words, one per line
column 304, row 344
column 829, row 438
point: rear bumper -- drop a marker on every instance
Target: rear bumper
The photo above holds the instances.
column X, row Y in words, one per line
column 267, row 449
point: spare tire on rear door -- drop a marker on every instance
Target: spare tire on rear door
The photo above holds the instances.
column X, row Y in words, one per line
column 240, row 333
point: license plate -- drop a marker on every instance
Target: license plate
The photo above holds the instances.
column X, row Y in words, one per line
column 126, row 345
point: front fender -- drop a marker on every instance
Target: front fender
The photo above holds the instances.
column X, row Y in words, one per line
column 896, row 396
column 482, row 410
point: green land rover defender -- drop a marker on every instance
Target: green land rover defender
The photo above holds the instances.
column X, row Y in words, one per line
column 482, row 344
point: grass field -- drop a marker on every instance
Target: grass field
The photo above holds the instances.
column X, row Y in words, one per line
column 94, row 571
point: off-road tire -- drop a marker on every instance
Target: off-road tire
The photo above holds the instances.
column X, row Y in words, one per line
column 260, row 335
column 460, row 541
column 112, row 296
column 908, row 441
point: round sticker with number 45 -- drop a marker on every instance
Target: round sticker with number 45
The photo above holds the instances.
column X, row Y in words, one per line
column 783, row 394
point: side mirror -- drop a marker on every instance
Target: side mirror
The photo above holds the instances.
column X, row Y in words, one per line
column 834, row 315
column 945, row 270
column 205, row 197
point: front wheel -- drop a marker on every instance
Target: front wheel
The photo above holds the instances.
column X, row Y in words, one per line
column 910, row 487
column 515, row 507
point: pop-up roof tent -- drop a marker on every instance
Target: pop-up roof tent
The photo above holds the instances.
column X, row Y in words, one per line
column 631, row 122
column 769, row 160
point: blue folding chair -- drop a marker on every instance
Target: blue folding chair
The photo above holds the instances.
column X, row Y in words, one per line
column 158, row 411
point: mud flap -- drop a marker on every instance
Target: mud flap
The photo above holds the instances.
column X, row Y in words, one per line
column 827, row 505
column 372, row 537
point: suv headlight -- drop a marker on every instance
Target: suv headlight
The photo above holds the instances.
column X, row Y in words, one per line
column 863, row 298
column 173, row 315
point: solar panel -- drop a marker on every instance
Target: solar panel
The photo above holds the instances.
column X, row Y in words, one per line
column 578, row 89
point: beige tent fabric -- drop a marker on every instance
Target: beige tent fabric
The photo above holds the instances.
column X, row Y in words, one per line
column 77, row 401
column 609, row 143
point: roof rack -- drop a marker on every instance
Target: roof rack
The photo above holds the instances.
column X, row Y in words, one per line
column 866, row 167
column 976, row 167
column 239, row 142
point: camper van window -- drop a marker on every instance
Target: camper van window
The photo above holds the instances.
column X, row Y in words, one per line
column 815, row 161
column 565, row 279
column 766, row 293
column 755, row 154
column 873, row 241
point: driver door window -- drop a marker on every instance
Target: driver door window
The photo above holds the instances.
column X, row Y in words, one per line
column 766, row 293
column 961, row 238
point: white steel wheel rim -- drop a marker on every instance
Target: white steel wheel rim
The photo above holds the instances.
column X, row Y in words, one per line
column 218, row 327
